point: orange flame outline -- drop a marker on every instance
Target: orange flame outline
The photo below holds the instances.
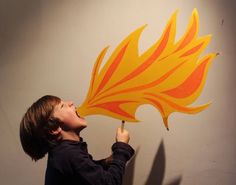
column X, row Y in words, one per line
column 170, row 76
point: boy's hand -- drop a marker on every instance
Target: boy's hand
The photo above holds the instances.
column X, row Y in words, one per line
column 122, row 135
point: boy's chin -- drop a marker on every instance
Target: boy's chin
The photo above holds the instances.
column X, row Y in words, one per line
column 80, row 128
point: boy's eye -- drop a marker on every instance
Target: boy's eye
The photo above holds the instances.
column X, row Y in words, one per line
column 62, row 105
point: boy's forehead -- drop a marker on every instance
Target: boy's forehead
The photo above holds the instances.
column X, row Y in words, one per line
column 58, row 105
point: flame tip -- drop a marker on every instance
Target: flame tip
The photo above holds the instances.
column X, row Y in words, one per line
column 195, row 11
column 176, row 12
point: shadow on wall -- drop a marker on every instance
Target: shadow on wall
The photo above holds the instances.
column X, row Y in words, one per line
column 157, row 173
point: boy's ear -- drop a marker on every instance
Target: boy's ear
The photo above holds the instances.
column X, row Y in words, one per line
column 56, row 132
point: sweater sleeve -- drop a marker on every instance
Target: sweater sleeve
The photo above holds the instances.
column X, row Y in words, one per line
column 91, row 173
column 102, row 162
column 122, row 151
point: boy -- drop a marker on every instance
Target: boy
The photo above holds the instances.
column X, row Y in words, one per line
column 52, row 126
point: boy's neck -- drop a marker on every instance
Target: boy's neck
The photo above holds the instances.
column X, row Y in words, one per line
column 70, row 135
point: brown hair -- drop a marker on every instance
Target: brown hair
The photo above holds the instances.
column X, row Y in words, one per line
column 36, row 125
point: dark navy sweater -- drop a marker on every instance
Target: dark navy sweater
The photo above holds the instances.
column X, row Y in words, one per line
column 69, row 163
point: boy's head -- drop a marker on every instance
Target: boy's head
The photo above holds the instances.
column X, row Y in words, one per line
column 44, row 123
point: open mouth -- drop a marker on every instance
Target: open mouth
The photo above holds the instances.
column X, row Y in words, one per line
column 77, row 114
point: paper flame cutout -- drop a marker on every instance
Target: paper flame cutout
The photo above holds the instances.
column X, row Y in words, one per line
column 168, row 75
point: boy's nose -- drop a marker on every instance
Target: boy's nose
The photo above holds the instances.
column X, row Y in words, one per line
column 70, row 103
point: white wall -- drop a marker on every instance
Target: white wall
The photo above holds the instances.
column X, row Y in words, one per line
column 49, row 47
